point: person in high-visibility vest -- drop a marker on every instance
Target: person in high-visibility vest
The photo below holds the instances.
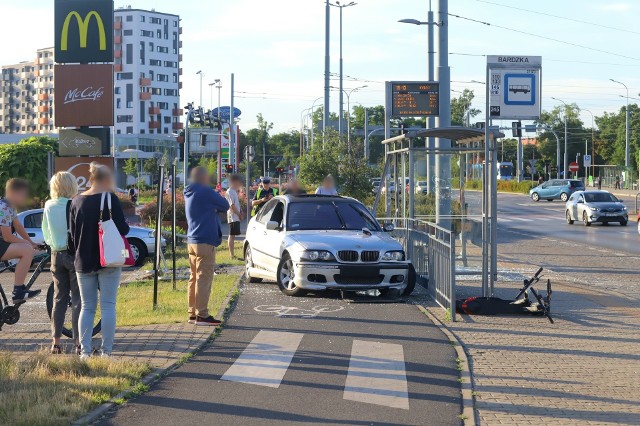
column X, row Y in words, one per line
column 264, row 193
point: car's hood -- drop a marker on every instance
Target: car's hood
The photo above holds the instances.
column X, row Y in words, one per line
column 344, row 240
column 606, row 206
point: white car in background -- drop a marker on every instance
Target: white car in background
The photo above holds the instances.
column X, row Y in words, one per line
column 317, row 242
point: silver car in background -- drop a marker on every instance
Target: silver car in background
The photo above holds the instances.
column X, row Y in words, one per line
column 596, row 207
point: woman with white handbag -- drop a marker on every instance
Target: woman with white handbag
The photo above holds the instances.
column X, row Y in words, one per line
column 97, row 225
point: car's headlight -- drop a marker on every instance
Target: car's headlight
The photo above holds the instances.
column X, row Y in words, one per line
column 624, row 209
column 595, row 209
column 152, row 234
column 317, row 256
column 393, row 256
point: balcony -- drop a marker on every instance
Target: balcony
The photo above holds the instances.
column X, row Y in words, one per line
column 43, row 97
column 180, row 30
column 117, row 40
column 145, row 82
column 117, row 25
column 180, row 57
column 177, row 112
column 117, row 67
column 117, row 53
column 154, row 124
column 154, row 110
column 145, row 96
column 43, row 121
column 180, row 44
column 43, row 108
column 180, row 85
column 178, row 126
column 179, row 71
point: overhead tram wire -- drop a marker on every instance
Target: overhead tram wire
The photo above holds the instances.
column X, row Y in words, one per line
column 568, row 43
column 569, row 61
column 595, row 24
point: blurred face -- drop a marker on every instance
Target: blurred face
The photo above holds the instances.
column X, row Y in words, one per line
column 105, row 184
column 17, row 198
column 328, row 183
column 266, row 185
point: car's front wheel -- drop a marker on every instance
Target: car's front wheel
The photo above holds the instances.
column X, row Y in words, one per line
column 569, row 219
column 139, row 251
column 286, row 275
column 623, row 222
column 248, row 262
column 535, row 197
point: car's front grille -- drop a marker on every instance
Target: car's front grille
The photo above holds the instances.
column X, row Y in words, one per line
column 369, row 256
column 347, row 279
column 348, row 255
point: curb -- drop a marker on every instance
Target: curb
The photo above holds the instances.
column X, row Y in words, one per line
column 466, row 385
column 225, row 310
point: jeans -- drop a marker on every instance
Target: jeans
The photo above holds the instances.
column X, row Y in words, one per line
column 108, row 281
column 202, row 260
column 65, row 283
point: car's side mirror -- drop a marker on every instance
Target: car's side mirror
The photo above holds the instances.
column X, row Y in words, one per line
column 388, row 227
column 272, row 225
column 580, row 202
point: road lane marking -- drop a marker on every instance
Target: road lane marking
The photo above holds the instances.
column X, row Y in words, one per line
column 377, row 375
column 521, row 219
column 265, row 360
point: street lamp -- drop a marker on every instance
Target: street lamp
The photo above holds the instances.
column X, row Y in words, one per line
column 355, row 89
column 626, row 151
column 566, row 135
column 201, row 74
column 341, row 113
column 216, row 83
column 593, row 144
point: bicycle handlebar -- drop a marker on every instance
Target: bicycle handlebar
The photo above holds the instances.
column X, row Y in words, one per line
column 538, row 273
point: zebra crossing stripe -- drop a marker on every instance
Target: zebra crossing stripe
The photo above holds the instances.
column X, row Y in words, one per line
column 265, row 360
column 377, row 375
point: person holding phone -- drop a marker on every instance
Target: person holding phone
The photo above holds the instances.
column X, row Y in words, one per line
column 263, row 194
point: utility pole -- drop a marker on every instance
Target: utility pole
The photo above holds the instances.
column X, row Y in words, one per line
column 201, row 75
column 443, row 161
column 626, row 151
column 327, row 70
column 431, row 121
column 232, row 131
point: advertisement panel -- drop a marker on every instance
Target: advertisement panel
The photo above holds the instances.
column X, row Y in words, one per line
column 84, row 95
column 79, row 167
column 83, row 31
column 93, row 141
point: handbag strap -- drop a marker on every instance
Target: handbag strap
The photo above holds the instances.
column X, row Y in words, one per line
column 102, row 199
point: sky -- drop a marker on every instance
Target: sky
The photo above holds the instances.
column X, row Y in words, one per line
column 276, row 48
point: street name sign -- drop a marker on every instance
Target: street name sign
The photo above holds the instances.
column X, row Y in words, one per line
column 586, row 161
column 514, row 87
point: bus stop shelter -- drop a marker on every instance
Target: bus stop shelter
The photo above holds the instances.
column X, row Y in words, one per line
column 430, row 241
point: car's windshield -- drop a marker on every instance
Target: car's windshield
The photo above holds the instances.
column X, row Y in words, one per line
column 576, row 183
column 599, row 197
column 323, row 215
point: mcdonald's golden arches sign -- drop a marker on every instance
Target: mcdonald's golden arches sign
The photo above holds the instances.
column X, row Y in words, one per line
column 83, row 31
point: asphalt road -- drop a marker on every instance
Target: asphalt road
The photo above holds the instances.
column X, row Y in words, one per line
column 519, row 213
column 313, row 360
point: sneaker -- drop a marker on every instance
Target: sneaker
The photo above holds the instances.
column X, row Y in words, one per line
column 21, row 294
column 207, row 321
column 78, row 350
column 192, row 319
column 56, row 350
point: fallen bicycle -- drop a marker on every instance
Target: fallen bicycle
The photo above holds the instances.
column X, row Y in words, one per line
column 521, row 305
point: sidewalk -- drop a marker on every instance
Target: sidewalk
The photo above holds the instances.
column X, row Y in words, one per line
column 583, row 369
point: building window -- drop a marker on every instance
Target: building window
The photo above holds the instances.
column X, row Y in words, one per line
column 129, row 104
column 156, row 21
column 143, row 18
column 170, row 92
column 117, row 90
column 151, row 46
column 155, row 62
column 159, row 34
column 175, row 77
column 170, row 64
column 129, row 130
column 167, row 120
column 163, row 105
column 129, row 18
column 156, row 91
column 145, row 33
column 162, row 77
column 127, row 33
column 118, row 103
column 162, row 49
column 125, row 76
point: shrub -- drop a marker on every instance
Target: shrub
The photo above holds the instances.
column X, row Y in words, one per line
column 149, row 211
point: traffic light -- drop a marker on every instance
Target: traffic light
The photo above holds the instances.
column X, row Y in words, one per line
column 516, row 129
column 228, row 168
column 280, row 170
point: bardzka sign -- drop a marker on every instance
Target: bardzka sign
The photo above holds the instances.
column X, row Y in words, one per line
column 83, row 31
column 84, row 95
column 86, row 141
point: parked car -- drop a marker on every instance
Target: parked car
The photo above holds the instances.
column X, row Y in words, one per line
column 141, row 240
column 324, row 242
column 421, row 187
column 596, row 206
column 556, row 189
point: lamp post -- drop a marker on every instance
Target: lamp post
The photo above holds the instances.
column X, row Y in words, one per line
column 593, row 146
column 201, row 74
column 349, row 111
column 341, row 101
column 565, row 166
column 626, row 150
column 218, row 85
column 327, row 69
column 431, row 121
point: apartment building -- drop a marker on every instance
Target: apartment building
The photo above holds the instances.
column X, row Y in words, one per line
column 26, row 95
column 147, row 66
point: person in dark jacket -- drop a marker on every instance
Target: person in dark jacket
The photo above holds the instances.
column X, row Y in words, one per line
column 202, row 205
column 84, row 245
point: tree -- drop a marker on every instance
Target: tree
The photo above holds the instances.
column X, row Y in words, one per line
column 131, row 167
column 461, row 106
column 28, row 160
column 350, row 170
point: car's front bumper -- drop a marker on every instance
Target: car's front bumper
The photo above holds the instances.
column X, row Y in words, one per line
column 608, row 217
column 355, row 276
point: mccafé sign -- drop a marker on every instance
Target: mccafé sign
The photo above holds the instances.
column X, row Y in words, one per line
column 83, row 31
column 84, row 95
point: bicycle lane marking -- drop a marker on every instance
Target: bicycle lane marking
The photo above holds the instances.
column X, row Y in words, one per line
column 265, row 360
column 290, row 311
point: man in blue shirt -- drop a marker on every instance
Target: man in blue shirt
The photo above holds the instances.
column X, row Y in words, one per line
column 202, row 205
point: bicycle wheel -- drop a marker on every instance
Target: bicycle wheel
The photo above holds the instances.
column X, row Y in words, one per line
column 66, row 329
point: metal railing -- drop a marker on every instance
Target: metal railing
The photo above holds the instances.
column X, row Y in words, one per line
column 431, row 249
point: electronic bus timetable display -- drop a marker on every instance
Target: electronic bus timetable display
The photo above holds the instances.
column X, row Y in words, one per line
column 414, row 99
